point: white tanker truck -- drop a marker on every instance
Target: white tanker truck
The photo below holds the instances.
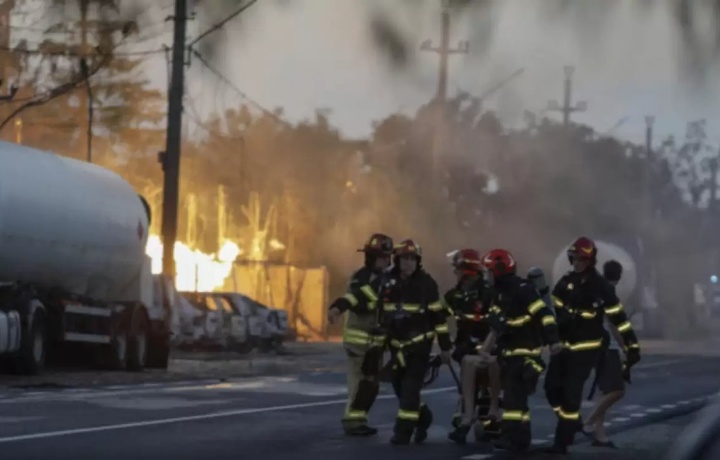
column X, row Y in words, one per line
column 73, row 268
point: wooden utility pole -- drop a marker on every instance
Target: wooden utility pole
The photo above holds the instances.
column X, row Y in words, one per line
column 171, row 157
column 648, row 206
column 6, row 57
column 567, row 108
column 444, row 51
column 84, row 96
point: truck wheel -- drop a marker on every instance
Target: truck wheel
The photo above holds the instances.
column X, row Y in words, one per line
column 242, row 348
column 31, row 358
column 138, row 341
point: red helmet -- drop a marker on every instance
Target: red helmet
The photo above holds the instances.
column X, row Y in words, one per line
column 378, row 244
column 584, row 249
column 467, row 260
column 499, row 262
column 406, row 247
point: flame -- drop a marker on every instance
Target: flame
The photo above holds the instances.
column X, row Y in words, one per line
column 196, row 270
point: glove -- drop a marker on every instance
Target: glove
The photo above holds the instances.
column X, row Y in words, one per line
column 632, row 356
column 341, row 304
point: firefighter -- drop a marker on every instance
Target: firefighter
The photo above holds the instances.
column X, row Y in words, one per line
column 363, row 339
column 468, row 302
column 413, row 316
column 582, row 299
column 521, row 324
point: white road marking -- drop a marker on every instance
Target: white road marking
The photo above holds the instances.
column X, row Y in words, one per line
column 20, row 419
column 477, row 456
column 669, row 406
column 638, row 415
column 192, row 418
column 630, row 407
column 653, row 410
column 159, row 403
column 620, row 419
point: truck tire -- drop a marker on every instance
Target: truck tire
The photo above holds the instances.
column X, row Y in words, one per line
column 138, row 340
column 31, row 357
column 242, row 348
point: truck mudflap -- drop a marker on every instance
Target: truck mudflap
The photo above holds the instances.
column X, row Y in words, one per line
column 10, row 332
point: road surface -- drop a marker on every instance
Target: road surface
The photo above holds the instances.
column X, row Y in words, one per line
column 292, row 417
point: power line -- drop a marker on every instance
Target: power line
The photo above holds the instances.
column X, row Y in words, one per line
column 242, row 93
column 213, row 132
column 219, row 25
column 54, row 93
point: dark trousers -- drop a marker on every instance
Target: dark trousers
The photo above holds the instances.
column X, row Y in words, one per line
column 407, row 383
column 519, row 380
column 363, row 386
column 564, row 382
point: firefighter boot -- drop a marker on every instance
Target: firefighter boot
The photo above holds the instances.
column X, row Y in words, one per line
column 401, row 437
column 402, row 433
column 492, row 430
column 424, row 422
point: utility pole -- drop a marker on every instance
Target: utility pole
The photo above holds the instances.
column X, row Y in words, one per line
column 85, row 103
column 646, row 172
column 6, row 60
column 171, row 157
column 567, row 108
column 444, row 51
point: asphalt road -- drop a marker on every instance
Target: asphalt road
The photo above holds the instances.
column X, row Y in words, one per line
column 294, row 417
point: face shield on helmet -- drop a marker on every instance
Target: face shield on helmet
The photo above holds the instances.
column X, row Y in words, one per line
column 407, row 256
column 499, row 263
column 582, row 254
column 378, row 250
column 467, row 262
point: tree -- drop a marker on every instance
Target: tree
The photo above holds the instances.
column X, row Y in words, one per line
column 126, row 112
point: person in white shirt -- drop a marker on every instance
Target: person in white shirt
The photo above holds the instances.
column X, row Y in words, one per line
column 609, row 373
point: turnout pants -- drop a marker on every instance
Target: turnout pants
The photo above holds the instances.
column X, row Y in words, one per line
column 519, row 380
column 564, row 382
column 363, row 386
column 407, row 382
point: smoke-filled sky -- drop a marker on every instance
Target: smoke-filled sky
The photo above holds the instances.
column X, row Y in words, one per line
column 361, row 59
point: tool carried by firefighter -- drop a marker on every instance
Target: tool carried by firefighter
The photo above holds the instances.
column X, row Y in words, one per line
column 582, row 300
column 412, row 316
column 521, row 324
column 363, row 337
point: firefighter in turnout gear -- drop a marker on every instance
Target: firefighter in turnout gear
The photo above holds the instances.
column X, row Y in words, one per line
column 469, row 302
column 583, row 298
column 413, row 316
column 363, row 338
column 521, row 324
